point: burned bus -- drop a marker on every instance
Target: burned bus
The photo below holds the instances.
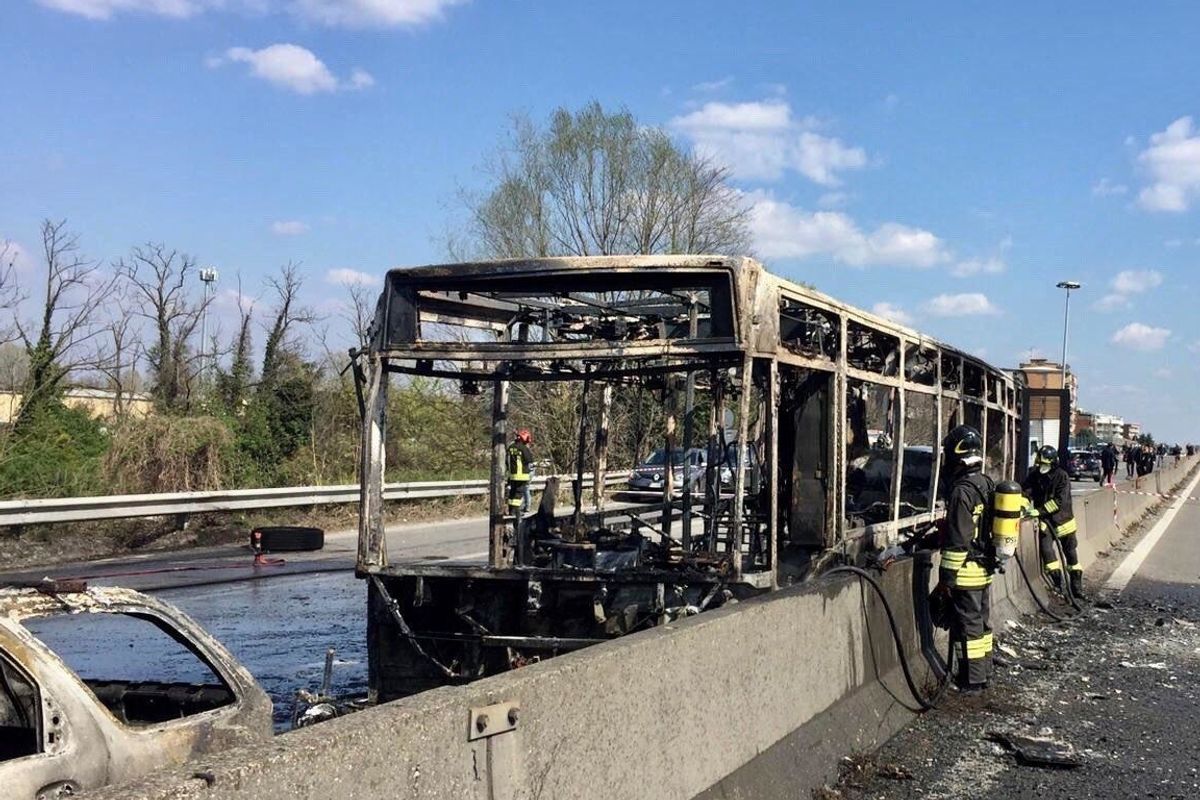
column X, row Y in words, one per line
column 819, row 425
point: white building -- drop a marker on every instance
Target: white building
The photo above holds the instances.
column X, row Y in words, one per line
column 1108, row 427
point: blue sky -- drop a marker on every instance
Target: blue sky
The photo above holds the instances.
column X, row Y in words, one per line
column 928, row 161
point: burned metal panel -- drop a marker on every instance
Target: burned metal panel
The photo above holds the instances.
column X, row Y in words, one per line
column 371, row 542
column 845, row 395
column 872, row 350
column 83, row 745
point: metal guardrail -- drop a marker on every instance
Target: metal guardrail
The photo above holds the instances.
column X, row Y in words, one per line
column 89, row 509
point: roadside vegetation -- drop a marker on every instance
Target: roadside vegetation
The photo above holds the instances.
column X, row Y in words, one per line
column 248, row 388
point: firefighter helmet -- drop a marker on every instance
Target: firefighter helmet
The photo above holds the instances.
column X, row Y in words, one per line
column 1047, row 455
column 963, row 446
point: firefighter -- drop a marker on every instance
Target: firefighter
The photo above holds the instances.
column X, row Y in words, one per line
column 520, row 471
column 966, row 568
column 1048, row 488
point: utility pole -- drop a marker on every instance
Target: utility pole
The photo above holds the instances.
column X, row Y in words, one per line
column 209, row 276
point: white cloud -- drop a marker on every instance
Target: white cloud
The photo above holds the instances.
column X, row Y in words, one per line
column 833, row 200
column 1131, row 281
column 289, row 227
column 372, row 13
column 1194, row 347
column 1173, row 244
column 1113, row 301
column 361, row 79
column 762, row 141
column 1106, row 188
column 1127, row 283
column 978, row 266
column 1138, row 336
column 349, row 277
column 230, row 298
column 1163, row 372
column 292, row 67
column 105, row 9
column 712, row 86
column 781, row 230
column 966, row 304
column 13, row 254
column 341, row 13
column 893, row 312
column 1172, row 161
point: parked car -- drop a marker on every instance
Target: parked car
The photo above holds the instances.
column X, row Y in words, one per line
column 158, row 690
column 690, row 468
column 1084, row 465
column 686, row 467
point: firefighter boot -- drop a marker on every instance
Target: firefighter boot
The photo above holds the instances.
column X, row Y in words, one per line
column 1077, row 584
column 1056, row 579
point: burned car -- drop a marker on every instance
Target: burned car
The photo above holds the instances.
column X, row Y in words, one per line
column 826, row 419
column 114, row 717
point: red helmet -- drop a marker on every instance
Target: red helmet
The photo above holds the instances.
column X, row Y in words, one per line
column 523, row 435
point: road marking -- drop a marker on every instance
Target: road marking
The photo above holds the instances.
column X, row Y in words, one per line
column 1129, row 567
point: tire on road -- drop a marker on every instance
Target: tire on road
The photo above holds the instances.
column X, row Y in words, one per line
column 286, row 538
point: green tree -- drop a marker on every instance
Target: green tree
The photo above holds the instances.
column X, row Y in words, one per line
column 593, row 182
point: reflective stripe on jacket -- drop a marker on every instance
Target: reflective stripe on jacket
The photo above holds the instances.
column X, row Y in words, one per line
column 1050, row 494
column 518, row 462
column 964, row 553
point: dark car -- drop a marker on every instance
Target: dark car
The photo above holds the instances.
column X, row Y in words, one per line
column 689, row 469
column 686, row 467
column 1084, row 465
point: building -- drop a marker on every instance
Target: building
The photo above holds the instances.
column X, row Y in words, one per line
column 1104, row 427
column 1108, row 427
column 1046, row 413
column 1131, row 431
column 1084, row 421
column 101, row 403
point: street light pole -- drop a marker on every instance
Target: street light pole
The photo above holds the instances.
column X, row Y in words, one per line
column 1068, row 286
column 209, row 276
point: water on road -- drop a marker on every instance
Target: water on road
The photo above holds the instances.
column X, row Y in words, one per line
column 280, row 629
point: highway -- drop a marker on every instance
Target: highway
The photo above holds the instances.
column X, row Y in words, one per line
column 462, row 539
column 1117, row 683
column 279, row 620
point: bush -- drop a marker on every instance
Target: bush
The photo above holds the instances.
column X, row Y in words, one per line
column 55, row 452
column 169, row 454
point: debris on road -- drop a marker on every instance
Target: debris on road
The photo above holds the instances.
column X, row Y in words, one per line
column 1038, row 751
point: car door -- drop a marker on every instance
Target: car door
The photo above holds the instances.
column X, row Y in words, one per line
column 50, row 744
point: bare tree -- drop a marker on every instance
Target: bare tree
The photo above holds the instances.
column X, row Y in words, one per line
column 595, row 183
column 120, row 350
column 360, row 312
column 10, row 295
column 63, row 339
column 160, row 279
column 286, row 316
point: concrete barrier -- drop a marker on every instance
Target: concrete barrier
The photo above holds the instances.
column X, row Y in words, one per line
column 1106, row 514
column 758, row 699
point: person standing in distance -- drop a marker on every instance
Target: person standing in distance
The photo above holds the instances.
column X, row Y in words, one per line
column 966, row 567
column 520, row 472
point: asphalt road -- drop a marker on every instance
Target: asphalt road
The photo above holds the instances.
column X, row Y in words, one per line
column 461, row 539
column 1117, row 683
